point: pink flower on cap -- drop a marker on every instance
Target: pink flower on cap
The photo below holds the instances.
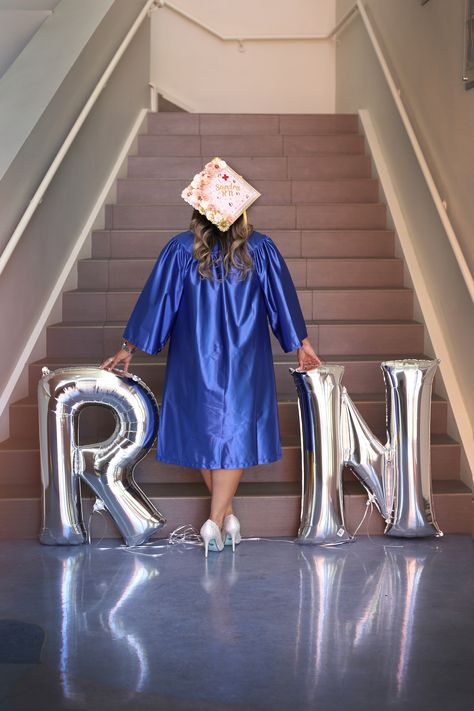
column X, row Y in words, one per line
column 219, row 193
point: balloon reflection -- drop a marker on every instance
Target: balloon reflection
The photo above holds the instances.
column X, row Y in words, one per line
column 95, row 611
column 318, row 616
column 337, row 632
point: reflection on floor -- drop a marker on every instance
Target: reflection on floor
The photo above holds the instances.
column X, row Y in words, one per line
column 372, row 624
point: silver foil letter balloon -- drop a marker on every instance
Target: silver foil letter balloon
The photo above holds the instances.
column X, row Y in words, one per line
column 396, row 475
column 322, row 497
column 106, row 467
column 408, row 383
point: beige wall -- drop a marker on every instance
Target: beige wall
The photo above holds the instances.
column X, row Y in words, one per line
column 448, row 309
column 425, row 44
column 31, row 127
column 204, row 74
column 45, row 246
column 18, row 23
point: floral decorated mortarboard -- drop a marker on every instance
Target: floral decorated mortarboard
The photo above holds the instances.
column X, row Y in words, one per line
column 219, row 193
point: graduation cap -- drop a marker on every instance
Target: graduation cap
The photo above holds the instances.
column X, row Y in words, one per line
column 219, row 193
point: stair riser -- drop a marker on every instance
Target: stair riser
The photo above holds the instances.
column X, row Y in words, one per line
column 341, row 305
column 397, row 339
column 142, row 244
column 359, row 376
column 319, row 191
column 97, row 341
column 273, row 192
column 362, row 305
column 21, row 467
column 327, row 216
column 346, row 243
column 250, row 124
column 322, row 167
column 259, row 515
column 101, row 275
column 444, row 465
column 260, row 145
column 346, row 273
column 339, row 216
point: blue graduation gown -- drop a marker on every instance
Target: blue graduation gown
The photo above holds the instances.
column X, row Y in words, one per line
column 219, row 403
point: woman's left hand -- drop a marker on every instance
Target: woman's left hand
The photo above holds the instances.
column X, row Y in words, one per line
column 307, row 358
column 122, row 356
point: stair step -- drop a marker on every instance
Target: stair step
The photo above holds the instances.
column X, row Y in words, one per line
column 367, row 272
column 277, row 192
column 362, row 372
column 235, row 124
column 20, row 463
column 343, row 304
column 248, row 144
column 24, row 417
column 322, row 216
column 321, row 167
column 264, row 509
column 348, row 243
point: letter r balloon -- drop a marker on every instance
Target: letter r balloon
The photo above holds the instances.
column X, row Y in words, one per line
column 106, row 467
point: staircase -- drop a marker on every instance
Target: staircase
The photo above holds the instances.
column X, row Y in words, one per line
column 321, row 206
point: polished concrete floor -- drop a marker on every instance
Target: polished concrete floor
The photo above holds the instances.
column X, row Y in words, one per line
column 376, row 623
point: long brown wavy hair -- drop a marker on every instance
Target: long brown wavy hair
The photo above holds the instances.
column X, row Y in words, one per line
column 233, row 246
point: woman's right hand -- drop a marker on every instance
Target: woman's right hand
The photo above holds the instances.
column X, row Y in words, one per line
column 122, row 356
column 307, row 358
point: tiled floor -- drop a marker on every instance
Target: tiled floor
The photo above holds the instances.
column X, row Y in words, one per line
column 373, row 624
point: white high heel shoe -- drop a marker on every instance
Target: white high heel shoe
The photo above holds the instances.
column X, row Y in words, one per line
column 231, row 529
column 212, row 536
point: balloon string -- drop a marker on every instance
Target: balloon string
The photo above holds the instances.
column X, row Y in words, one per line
column 187, row 534
column 370, row 502
column 98, row 506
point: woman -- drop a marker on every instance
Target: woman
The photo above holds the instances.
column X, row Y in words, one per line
column 212, row 291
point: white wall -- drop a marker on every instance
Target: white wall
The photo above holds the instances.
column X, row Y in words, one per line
column 204, row 74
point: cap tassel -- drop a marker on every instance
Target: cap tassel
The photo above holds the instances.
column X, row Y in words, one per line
column 245, row 218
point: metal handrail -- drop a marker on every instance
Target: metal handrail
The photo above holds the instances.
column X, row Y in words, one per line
column 60, row 155
column 440, row 205
column 258, row 38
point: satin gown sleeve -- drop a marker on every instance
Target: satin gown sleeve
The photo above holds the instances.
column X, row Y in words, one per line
column 281, row 300
column 153, row 315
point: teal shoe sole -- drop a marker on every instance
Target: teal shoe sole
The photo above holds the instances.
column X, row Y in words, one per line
column 212, row 545
column 228, row 540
